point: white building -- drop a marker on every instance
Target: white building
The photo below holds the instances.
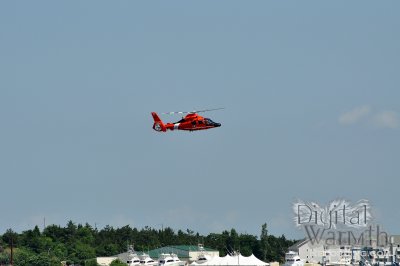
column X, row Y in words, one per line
column 395, row 247
column 346, row 254
column 308, row 252
column 320, row 253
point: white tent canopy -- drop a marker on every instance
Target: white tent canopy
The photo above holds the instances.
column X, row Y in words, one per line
column 233, row 260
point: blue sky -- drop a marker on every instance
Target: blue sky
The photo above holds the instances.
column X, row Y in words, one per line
column 311, row 91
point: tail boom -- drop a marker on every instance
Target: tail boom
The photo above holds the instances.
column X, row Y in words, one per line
column 158, row 123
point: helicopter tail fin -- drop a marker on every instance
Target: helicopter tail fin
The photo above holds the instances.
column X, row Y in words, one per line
column 158, row 123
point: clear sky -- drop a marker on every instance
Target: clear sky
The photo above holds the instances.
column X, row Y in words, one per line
column 311, row 91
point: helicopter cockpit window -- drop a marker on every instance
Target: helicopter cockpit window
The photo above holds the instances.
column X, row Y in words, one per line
column 208, row 121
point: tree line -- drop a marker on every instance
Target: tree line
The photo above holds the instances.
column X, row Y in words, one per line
column 80, row 244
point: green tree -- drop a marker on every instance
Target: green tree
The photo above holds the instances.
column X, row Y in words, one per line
column 264, row 244
column 232, row 241
column 106, row 249
column 218, row 241
column 91, row 262
column 82, row 252
column 43, row 260
column 31, row 238
column 248, row 244
column 22, row 257
column 10, row 236
column 59, row 250
column 55, row 232
column 124, row 235
column 167, row 236
column 85, row 234
column 70, row 231
column 79, row 243
column 4, row 258
column 148, row 238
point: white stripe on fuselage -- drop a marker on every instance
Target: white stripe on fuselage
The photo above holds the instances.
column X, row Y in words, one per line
column 176, row 125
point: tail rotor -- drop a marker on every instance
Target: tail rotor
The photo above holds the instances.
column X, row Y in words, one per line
column 158, row 123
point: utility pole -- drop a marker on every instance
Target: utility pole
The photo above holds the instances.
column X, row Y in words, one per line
column 12, row 252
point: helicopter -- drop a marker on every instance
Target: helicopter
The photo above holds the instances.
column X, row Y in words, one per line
column 191, row 122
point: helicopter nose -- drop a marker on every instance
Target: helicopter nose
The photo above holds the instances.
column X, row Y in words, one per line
column 217, row 125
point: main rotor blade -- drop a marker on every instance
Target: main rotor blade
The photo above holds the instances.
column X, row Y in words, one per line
column 192, row 112
column 207, row 110
column 172, row 113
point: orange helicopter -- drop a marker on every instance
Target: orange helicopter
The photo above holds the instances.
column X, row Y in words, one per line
column 191, row 122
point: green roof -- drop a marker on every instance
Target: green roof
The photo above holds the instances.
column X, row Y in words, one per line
column 191, row 248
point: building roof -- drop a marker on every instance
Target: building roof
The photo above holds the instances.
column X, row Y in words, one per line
column 182, row 251
column 191, row 248
column 295, row 247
